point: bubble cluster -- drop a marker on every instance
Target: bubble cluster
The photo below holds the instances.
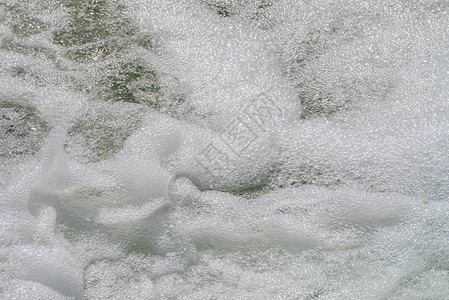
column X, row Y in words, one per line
column 221, row 149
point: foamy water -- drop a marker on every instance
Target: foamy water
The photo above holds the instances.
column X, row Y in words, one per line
column 212, row 149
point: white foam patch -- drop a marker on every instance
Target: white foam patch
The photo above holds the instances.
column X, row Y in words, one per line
column 310, row 159
column 215, row 53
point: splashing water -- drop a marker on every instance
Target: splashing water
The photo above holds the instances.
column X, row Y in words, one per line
column 221, row 149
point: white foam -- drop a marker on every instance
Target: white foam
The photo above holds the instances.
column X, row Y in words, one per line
column 248, row 193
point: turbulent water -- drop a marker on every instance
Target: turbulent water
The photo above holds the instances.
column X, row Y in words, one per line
column 224, row 149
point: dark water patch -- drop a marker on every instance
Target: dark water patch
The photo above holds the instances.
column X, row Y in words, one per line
column 21, row 22
column 95, row 30
column 93, row 21
column 101, row 133
column 124, row 80
column 254, row 12
column 94, row 51
column 135, row 81
column 221, row 8
column 22, row 130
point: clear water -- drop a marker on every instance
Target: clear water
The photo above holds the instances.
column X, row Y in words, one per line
column 223, row 149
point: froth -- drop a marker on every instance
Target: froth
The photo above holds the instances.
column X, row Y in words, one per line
column 224, row 149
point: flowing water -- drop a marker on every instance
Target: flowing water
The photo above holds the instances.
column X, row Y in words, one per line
column 224, row 149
